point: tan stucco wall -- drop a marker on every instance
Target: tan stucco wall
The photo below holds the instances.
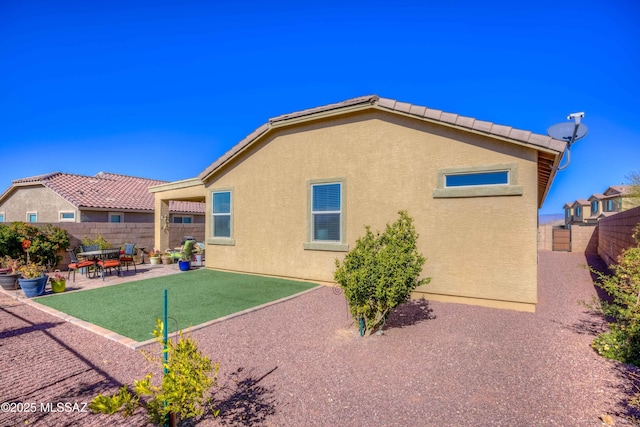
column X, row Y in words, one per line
column 41, row 200
column 484, row 248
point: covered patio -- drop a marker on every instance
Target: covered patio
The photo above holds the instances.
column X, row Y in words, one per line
column 188, row 190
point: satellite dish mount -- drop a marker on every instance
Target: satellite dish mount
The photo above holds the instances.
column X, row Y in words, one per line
column 570, row 132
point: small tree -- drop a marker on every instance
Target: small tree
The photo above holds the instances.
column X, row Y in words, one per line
column 633, row 180
column 622, row 341
column 183, row 390
column 380, row 272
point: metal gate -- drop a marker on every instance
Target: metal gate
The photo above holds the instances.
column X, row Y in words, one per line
column 562, row 239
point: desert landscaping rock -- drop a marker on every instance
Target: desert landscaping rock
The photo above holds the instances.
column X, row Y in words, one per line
column 302, row 363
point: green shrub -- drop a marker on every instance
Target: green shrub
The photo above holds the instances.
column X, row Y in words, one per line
column 622, row 341
column 99, row 240
column 183, row 390
column 380, row 272
column 46, row 243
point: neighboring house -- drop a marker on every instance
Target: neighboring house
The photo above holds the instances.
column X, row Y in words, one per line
column 294, row 195
column 106, row 197
column 618, row 198
column 568, row 213
column 581, row 210
column 615, row 199
column 595, row 209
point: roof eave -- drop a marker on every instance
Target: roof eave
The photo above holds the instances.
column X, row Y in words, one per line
column 185, row 183
column 551, row 147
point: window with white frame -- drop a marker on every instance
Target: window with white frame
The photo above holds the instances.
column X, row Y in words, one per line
column 579, row 211
column 116, row 217
column 32, row 216
column 67, row 216
column 594, row 207
column 1, row 216
column 222, row 225
column 182, row 219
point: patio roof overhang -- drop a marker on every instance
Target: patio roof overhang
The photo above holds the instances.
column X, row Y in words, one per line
column 187, row 190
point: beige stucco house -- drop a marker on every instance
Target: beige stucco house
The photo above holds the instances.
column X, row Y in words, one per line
column 581, row 211
column 105, row 197
column 294, row 195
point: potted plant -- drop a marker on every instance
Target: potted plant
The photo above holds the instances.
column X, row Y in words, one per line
column 154, row 257
column 166, row 259
column 58, row 282
column 9, row 273
column 185, row 258
column 33, row 280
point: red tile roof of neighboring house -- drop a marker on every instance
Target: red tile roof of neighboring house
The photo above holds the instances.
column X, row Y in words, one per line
column 620, row 189
column 107, row 191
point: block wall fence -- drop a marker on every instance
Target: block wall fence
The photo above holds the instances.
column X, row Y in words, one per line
column 142, row 234
column 608, row 239
column 583, row 238
column 615, row 234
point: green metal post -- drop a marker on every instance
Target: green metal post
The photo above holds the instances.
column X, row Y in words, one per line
column 166, row 340
column 165, row 329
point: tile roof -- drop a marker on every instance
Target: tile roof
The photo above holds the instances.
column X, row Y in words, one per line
column 106, row 191
column 547, row 161
column 619, row 189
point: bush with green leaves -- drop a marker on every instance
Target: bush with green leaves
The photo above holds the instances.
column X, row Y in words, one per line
column 622, row 341
column 380, row 272
column 183, row 391
column 99, row 240
column 45, row 246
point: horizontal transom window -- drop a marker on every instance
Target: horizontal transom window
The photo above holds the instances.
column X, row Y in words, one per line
column 479, row 178
column 478, row 181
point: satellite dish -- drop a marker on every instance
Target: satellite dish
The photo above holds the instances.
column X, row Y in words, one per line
column 569, row 132
column 565, row 131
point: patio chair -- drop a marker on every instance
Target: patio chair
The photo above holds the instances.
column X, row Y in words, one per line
column 126, row 257
column 108, row 262
column 76, row 265
column 90, row 248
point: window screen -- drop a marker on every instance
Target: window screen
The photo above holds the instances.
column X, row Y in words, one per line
column 326, row 211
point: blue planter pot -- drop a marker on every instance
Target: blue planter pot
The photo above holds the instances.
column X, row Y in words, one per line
column 33, row 287
column 184, row 265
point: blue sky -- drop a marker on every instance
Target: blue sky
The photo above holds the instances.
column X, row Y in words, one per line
column 161, row 89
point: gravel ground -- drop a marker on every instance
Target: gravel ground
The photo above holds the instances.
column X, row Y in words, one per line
column 302, row 363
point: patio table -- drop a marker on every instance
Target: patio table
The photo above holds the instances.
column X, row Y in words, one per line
column 101, row 254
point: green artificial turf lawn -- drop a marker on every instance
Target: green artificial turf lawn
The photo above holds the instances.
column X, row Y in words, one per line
column 195, row 297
